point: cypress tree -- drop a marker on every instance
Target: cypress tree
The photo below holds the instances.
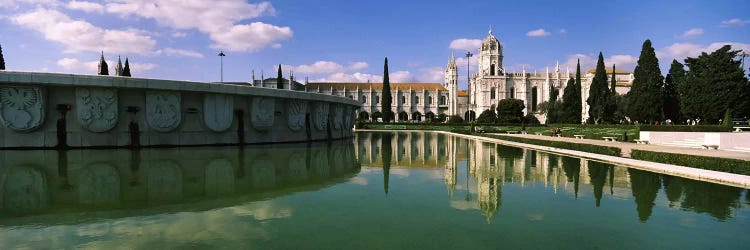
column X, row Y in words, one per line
column 2, row 59
column 578, row 103
column 279, row 79
column 598, row 93
column 118, row 68
column 645, row 94
column 671, row 91
column 386, row 104
column 103, row 67
column 614, row 80
column 612, row 98
column 569, row 109
column 126, row 70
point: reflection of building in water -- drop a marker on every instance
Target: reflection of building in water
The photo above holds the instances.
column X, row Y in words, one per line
column 48, row 181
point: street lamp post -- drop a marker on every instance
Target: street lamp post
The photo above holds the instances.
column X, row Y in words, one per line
column 468, row 82
column 222, row 55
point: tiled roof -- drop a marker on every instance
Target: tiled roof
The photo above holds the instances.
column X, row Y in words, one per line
column 609, row 71
column 375, row 86
column 624, row 84
column 462, row 93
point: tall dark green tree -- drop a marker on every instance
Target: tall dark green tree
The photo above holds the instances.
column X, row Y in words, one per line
column 714, row 85
column 577, row 101
column 279, row 79
column 103, row 67
column 611, row 110
column 670, row 92
column 554, row 107
column 126, row 69
column 599, row 94
column 2, row 59
column 510, row 111
column 613, row 85
column 386, row 104
column 569, row 113
column 645, row 100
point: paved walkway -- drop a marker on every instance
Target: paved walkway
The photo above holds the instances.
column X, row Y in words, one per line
column 627, row 147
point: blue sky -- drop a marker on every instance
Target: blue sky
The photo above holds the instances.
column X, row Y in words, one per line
column 347, row 40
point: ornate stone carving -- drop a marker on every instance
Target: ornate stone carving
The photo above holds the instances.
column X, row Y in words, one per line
column 21, row 108
column 261, row 113
column 296, row 111
column 96, row 108
column 218, row 111
column 99, row 183
column 163, row 110
column 321, row 116
column 338, row 117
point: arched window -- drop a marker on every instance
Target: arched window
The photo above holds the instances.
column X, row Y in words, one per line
column 429, row 100
column 364, row 99
column 416, row 99
column 492, row 93
column 512, row 93
column 533, row 98
column 443, row 100
column 377, row 99
column 492, row 70
column 403, row 99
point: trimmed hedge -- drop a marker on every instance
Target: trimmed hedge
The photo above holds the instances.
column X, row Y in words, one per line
column 686, row 128
column 703, row 162
column 596, row 149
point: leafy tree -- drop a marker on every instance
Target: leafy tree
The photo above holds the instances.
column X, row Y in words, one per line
column 126, row 70
column 510, row 111
column 553, row 107
column 279, row 79
column 386, row 103
column 440, row 118
column 103, row 67
column 621, row 107
column 612, row 98
column 2, row 59
column 670, row 93
column 714, row 85
column 487, row 116
column 455, row 119
column 645, row 94
column 599, row 94
column 570, row 112
column 531, row 119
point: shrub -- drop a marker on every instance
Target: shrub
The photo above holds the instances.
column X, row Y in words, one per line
column 455, row 119
column 596, row 149
column 441, row 117
column 531, row 119
column 694, row 161
column 510, row 111
column 487, row 116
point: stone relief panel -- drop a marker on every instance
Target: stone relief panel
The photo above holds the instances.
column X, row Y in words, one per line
column 262, row 112
column 219, row 177
column 218, row 111
column 21, row 108
column 296, row 112
column 163, row 112
column 99, row 183
column 338, row 117
column 25, row 189
column 321, row 116
column 96, row 108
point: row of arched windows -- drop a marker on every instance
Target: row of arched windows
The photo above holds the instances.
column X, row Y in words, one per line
column 443, row 100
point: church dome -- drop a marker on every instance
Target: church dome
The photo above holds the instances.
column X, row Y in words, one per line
column 491, row 43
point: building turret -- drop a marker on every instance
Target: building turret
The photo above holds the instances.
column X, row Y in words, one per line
column 118, row 68
column 451, row 83
column 491, row 57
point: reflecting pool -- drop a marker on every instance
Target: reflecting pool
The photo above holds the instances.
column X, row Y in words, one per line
column 377, row 190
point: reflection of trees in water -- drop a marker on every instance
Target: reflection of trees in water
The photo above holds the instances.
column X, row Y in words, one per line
column 598, row 174
column 714, row 199
column 673, row 188
column 572, row 169
column 387, row 154
column 645, row 186
column 508, row 155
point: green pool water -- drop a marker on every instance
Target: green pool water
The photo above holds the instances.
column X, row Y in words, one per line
column 416, row 190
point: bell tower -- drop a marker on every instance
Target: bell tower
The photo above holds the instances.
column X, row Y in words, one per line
column 451, row 83
column 491, row 57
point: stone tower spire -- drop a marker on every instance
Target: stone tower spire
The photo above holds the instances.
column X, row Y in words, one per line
column 451, row 83
column 103, row 67
column 118, row 68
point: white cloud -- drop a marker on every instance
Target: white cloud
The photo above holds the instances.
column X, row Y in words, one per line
column 432, row 74
column 179, row 34
column 18, row 3
column 734, row 22
column 319, row 67
column 466, row 44
column 693, row 32
column 461, row 63
column 91, row 67
column 626, row 62
column 79, row 35
column 85, row 6
column 220, row 20
column 181, row 52
column 355, row 77
column 401, row 76
column 537, row 33
column 358, row 66
column 680, row 51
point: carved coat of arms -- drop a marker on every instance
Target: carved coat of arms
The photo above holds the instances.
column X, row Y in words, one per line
column 321, row 116
column 163, row 110
column 217, row 111
column 262, row 112
column 21, row 108
column 296, row 112
column 96, row 109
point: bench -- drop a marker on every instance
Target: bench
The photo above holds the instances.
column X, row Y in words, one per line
column 740, row 129
column 558, row 135
column 641, row 141
column 539, row 133
column 579, row 136
column 710, row 146
column 609, row 138
column 479, row 129
column 524, row 132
